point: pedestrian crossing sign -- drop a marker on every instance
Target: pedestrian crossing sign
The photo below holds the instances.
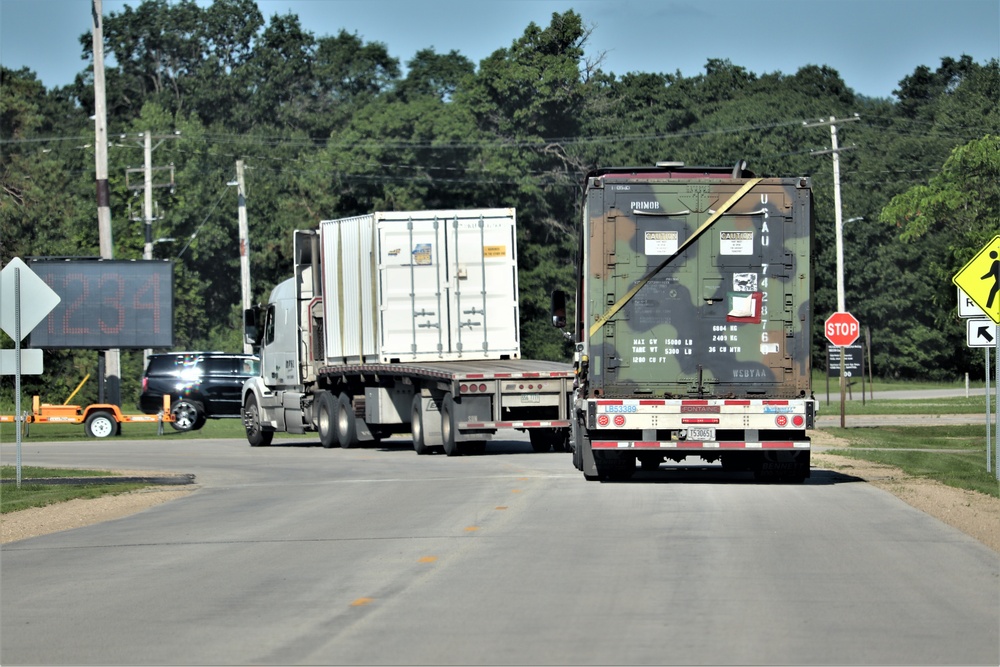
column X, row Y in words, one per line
column 980, row 279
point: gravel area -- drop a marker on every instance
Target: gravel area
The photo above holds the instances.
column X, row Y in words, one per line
column 975, row 514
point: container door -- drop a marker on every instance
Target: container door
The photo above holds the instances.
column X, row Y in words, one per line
column 482, row 285
column 413, row 309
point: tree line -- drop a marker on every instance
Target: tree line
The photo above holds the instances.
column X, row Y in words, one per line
column 332, row 126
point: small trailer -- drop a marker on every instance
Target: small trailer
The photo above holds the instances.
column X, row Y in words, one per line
column 100, row 420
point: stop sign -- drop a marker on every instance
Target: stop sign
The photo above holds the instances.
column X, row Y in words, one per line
column 842, row 329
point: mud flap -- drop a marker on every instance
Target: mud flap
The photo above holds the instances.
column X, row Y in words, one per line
column 583, row 453
column 364, row 433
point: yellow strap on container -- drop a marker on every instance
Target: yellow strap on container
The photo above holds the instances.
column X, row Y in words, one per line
column 645, row 279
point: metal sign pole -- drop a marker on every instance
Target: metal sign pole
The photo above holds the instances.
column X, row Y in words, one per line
column 989, row 457
column 17, row 369
column 996, row 403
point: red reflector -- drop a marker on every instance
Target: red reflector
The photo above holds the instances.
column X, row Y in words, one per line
column 482, row 388
column 463, row 388
column 798, row 420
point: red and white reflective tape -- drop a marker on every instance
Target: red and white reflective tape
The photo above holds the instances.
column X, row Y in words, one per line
column 689, row 444
column 532, row 424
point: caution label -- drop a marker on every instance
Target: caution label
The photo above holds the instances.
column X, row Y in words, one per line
column 494, row 251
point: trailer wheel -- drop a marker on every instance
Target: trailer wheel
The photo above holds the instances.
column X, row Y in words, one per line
column 449, row 427
column 417, row 427
column 101, row 424
column 326, row 411
column 347, row 424
column 256, row 436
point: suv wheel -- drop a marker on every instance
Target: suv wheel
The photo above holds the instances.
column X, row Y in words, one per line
column 188, row 416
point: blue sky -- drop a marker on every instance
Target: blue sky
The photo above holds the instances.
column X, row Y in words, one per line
column 871, row 43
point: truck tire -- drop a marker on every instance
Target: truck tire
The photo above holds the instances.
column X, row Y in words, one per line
column 326, row 419
column 101, row 424
column 449, row 428
column 256, row 436
column 417, row 427
column 188, row 416
column 346, row 424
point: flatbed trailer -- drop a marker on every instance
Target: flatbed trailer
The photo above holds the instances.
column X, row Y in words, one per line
column 100, row 420
column 463, row 400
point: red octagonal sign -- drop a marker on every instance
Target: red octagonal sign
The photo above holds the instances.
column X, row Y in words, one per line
column 842, row 329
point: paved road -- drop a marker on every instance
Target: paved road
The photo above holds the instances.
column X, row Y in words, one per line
column 299, row 555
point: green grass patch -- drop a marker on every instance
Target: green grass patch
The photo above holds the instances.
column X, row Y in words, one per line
column 881, row 384
column 33, row 472
column 29, row 495
column 952, row 455
column 914, row 406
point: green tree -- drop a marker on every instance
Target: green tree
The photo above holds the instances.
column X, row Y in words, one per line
column 954, row 215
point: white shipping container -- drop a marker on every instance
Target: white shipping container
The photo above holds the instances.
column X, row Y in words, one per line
column 410, row 286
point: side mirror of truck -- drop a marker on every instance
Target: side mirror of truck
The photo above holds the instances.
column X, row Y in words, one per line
column 558, row 309
column 251, row 326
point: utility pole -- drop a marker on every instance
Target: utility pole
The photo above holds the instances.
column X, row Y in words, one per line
column 111, row 358
column 147, row 187
column 838, row 213
column 244, row 243
column 841, row 299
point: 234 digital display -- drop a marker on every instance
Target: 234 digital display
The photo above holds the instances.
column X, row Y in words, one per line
column 107, row 304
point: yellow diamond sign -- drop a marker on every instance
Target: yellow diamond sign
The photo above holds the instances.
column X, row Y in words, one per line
column 980, row 279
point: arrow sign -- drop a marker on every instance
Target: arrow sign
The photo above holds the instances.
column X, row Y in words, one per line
column 981, row 333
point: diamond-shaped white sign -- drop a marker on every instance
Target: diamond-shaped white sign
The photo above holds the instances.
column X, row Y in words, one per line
column 37, row 298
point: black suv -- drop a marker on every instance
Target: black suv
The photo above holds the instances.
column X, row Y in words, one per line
column 202, row 385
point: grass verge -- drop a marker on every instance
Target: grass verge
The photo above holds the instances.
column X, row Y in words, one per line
column 13, row 499
column 952, row 455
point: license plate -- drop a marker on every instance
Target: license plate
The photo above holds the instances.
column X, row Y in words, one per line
column 531, row 398
column 701, row 433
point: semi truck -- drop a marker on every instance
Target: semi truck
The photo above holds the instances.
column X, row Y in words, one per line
column 401, row 322
column 692, row 321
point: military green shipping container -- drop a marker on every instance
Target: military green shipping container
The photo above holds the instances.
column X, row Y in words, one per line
column 693, row 314
column 692, row 292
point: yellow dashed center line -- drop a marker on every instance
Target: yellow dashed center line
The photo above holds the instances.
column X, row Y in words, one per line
column 361, row 602
column 427, row 559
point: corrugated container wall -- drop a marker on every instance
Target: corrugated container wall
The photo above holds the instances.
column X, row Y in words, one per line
column 410, row 286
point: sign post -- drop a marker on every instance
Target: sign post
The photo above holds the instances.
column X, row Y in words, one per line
column 842, row 329
column 979, row 282
column 16, row 279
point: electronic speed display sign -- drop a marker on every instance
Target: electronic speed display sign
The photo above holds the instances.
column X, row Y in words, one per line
column 107, row 304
